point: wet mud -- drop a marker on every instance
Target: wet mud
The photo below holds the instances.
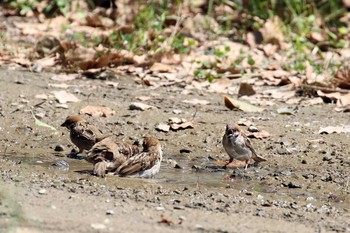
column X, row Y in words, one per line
column 303, row 187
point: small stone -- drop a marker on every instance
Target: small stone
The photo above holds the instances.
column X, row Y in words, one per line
column 109, row 212
column 177, row 111
column 42, row 191
column 59, row 148
column 175, row 120
column 163, row 127
column 139, row 106
column 160, row 208
column 185, row 150
column 98, row 226
column 253, row 129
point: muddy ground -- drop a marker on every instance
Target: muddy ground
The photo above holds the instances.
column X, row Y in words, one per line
column 304, row 186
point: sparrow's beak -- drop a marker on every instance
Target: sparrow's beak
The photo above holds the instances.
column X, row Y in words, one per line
column 64, row 124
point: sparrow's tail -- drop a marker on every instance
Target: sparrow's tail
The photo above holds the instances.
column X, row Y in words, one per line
column 259, row 159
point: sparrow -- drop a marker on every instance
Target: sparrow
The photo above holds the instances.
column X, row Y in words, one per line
column 108, row 154
column 83, row 134
column 237, row 145
column 145, row 164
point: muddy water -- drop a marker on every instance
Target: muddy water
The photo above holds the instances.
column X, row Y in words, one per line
column 304, row 182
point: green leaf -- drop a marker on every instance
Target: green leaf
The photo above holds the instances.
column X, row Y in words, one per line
column 42, row 124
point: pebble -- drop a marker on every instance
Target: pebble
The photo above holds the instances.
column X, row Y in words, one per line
column 59, row 148
column 177, row 111
column 253, row 129
column 98, row 226
column 163, row 127
column 42, row 191
column 109, row 212
column 160, row 208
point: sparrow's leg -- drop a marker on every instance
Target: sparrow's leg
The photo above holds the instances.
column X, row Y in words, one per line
column 100, row 169
column 246, row 165
column 230, row 161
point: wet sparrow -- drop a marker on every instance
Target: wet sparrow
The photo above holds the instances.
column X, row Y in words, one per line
column 237, row 146
column 108, row 154
column 145, row 164
column 83, row 134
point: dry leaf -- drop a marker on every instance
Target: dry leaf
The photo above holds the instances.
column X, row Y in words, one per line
column 143, row 97
column 259, row 135
column 245, row 89
column 97, row 111
column 160, row 67
column 240, row 105
column 220, row 85
column 184, row 125
column 344, row 100
column 65, row 97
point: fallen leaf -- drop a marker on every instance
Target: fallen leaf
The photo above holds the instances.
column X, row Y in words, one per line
column 97, row 111
column 259, row 135
column 65, row 97
column 240, row 105
column 196, row 102
column 165, row 220
column 220, row 85
column 344, row 100
column 42, row 124
column 332, row 96
column 143, row 97
column 184, row 125
column 160, row 67
column 245, row 89
column 140, row 106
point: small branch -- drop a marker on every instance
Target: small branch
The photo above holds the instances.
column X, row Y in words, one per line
column 328, row 89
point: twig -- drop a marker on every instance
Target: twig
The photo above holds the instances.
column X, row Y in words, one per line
column 325, row 89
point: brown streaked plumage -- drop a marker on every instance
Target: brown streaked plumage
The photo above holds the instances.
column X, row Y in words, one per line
column 238, row 146
column 83, row 134
column 145, row 164
column 108, row 154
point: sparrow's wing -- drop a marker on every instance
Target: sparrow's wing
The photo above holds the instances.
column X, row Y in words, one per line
column 137, row 163
column 256, row 157
column 127, row 149
column 82, row 132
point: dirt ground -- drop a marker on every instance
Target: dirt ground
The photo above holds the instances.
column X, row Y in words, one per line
column 304, row 186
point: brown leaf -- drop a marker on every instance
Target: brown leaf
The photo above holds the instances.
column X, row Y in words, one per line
column 261, row 134
column 245, row 89
column 159, row 67
column 65, row 97
column 220, row 85
column 184, row 125
column 342, row 77
column 165, row 220
column 344, row 100
column 240, row 105
column 97, row 111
